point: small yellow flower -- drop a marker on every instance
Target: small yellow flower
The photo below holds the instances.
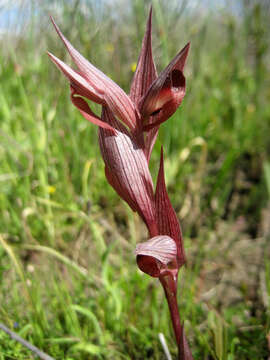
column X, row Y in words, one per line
column 109, row 47
column 51, row 189
column 133, row 67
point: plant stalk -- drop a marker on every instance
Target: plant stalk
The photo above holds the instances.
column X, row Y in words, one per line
column 169, row 283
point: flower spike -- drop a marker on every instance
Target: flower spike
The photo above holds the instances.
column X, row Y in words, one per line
column 128, row 129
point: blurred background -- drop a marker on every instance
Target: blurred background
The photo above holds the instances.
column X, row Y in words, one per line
column 68, row 278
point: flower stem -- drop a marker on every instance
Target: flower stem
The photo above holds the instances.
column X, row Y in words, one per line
column 169, row 283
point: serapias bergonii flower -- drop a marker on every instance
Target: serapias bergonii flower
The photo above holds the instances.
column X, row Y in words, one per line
column 128, row 128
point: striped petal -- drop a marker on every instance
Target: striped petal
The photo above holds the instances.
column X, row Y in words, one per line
column 77, row 81
column 86, row 112
column 144, row 76
column 145, row 72
column 154, row 255
column 106, row 89
column 127, row 169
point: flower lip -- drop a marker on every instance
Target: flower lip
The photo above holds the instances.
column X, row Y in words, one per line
column 177, row 79
column 155, row 255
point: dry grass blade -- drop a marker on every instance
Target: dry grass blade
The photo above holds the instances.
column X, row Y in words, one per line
column 25, row 343
column 164, row 346
column 64, row 259
column 16, row 264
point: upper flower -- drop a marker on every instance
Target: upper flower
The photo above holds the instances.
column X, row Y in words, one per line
column 152, row 100
column 128, row 128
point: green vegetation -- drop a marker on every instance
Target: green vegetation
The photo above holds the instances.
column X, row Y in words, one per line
column 68, row 277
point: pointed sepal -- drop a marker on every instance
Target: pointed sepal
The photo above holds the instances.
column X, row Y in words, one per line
column 104, row 88
column 167, row 221
column 144, row 76
column 77, row 81
column 145, row 72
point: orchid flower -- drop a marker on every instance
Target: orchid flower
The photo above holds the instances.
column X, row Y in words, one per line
column 128, row 128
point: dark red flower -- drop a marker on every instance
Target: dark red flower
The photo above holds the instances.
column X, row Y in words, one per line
column 128, row 128
column 129, row 124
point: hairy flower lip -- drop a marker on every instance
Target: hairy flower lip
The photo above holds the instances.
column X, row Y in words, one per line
column 154, row 255
column 87, row 113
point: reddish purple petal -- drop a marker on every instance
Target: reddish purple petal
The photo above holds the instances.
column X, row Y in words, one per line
column 117, row 100
column 77, row 81
column 146, row 71
column 161, row 247
column 128, row 169
column 154, row 255
column 144, row 76
column 87, row 113
column 150, row 139
column 168, row 223
column 166, row 93
column 114, row 182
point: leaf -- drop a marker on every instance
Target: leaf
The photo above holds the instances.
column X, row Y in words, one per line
column 91, row 316
column 64, row 259
column 87, row 347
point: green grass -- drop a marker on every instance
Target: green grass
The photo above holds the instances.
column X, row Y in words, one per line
column 68, row 277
